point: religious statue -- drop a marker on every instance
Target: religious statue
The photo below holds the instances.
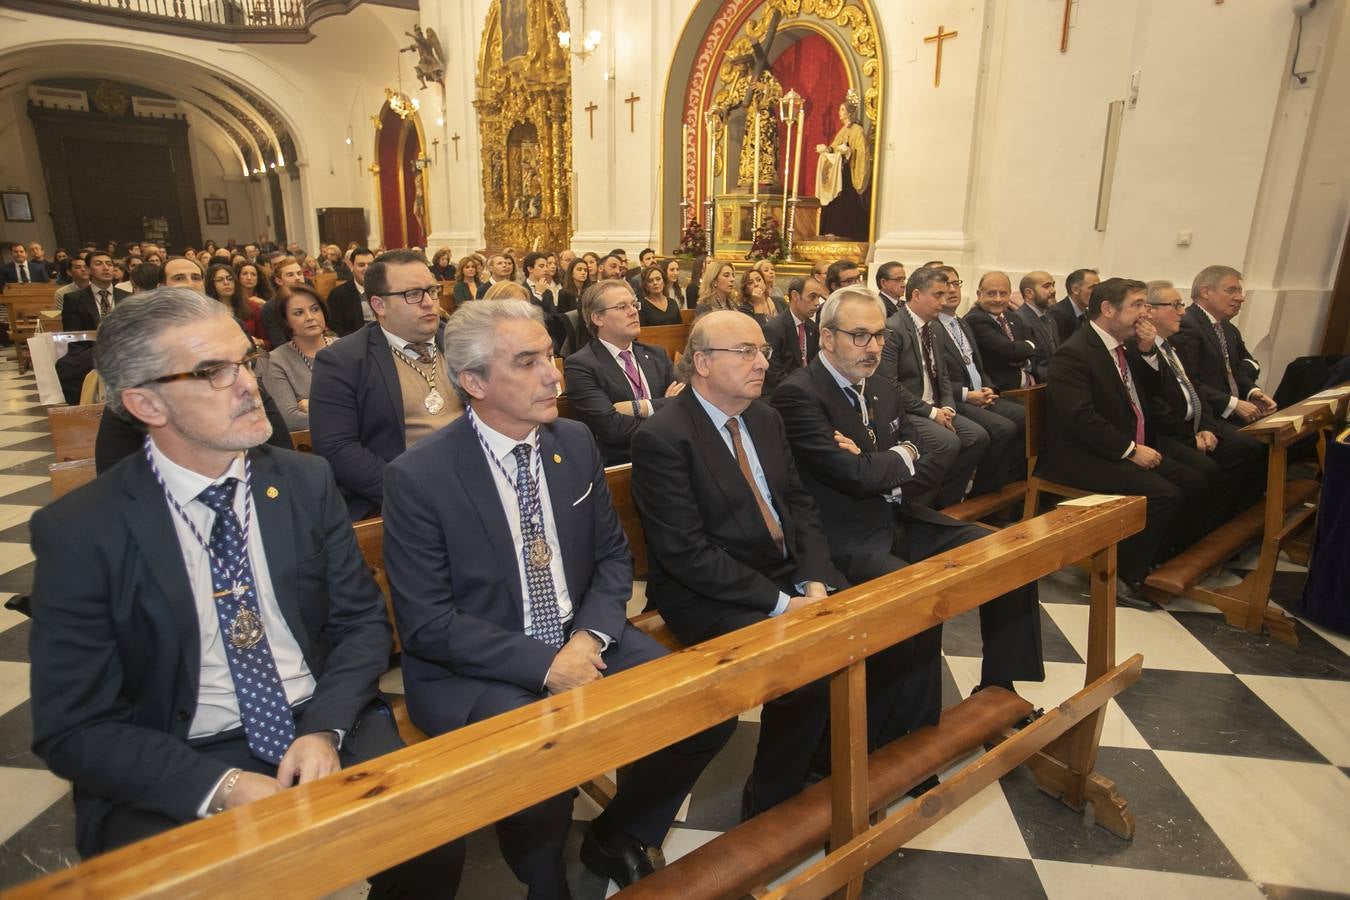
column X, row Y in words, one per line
column 430, row 65
column 842, row 173
column 759, row 152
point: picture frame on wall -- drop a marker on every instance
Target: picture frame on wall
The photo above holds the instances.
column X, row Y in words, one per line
column 217, row 211
column 18, row 206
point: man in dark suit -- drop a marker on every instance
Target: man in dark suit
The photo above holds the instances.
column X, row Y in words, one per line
column 1070, row 314
column 912, row 359
column 84, row 309
column 383, row 388
column 22, row 270
column 184, row 663
column 1038, row 298
column 998, row 333
column 863, row 484
column 615, row 382
column 1099, row 436
column 530, row 599
column 891, row 284
column 793, row 333
column 347, row 305
column 1213, row 351
column 976, row 399
column 733, row 537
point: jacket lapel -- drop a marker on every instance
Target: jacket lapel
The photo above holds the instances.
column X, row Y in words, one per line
column 841, row 412
column 560, row 476
column 479, row 482
column 726, row 471
column 610, row 366
column 382, row 355
column 277, row 518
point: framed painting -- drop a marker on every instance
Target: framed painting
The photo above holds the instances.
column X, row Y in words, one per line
column 217, row 211
column 18, row 206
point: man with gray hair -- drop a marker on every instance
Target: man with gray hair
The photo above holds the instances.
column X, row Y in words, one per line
column 205, row 633
column 1213, row 351
column 616, row 382
column 510, row 575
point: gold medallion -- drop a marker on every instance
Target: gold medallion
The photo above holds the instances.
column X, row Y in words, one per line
column 539, row 553
column 434, row 403
column 246, row 630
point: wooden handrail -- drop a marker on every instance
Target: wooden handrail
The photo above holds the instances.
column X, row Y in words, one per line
column 364, row 819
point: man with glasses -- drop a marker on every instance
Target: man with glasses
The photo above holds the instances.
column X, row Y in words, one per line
column 858, row 456
column 1213, row 349
column 842, row 273
column 205, row 632
column 732, row 535
column 891, row 284
column 793, row 333
column 384, row 387
column 615, row 382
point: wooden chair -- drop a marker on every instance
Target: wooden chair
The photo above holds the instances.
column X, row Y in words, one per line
column 25, row 304
column 324, row 282
column 67, row 476
column 74, row 430
column 91, row 391
column 302, row 441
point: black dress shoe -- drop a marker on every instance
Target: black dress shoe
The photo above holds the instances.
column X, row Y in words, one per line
column 618, row 857
column 924, row 787
column 1131, row 596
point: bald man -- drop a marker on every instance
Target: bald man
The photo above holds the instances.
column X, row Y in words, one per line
column 998, row 333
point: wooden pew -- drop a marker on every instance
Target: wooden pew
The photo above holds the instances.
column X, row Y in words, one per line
column 26, row 303
column 74, row 429
column 67, row 476
column 687, row 317
column 672, row 338
column 1286, row 511
column 1036, row 411
column 324, row 282
column 972, row 509
column 302, row 441
column 365, row 818
column 448, row 297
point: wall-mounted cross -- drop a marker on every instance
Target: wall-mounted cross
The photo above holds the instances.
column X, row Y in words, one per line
column 590, row 114
column 1064, row 27
column 938, row 38
column 631, row 101
column 455, row 138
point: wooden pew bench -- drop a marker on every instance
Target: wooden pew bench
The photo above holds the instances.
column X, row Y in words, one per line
column 981, row 506
column 357, row 822
column 25, row 304
column 74, row 430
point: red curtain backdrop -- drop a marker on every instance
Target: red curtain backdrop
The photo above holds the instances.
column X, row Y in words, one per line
column 813, row 69
column 391, row 208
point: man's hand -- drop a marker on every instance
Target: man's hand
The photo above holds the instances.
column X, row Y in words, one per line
column 251, row 786
column 943, row 416
column 624, row 407
column 1145, row 457
column 675, row 388
column 846, row 443
column 815, row 590
column 303, row 405
column 577, row 663
column 983, row 397
column 1206, row 441
column 310, row 756
column 1147, row 333
column 1266, row 405
column 797, row 603
column 1247, row 412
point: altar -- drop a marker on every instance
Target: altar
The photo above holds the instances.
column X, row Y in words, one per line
column 734, row 228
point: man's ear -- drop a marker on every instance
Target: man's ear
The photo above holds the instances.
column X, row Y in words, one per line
column 146, row 405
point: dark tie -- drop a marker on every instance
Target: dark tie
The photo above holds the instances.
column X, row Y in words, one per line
column 1227, row 363
column 634, row 377
column 423, row 351
column 1005, row 327
column 801, row 341
column 926, row 342
column 1049, row 333
column 103, row 305
column 263, row 708
column 23, row 273
column 775, row 530
column 545, row 620
column 1129, row 389
column 1170, row 357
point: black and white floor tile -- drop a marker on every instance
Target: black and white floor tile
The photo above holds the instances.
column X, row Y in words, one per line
column 1232, row 750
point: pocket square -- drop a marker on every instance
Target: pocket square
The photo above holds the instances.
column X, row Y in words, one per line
column 589, row 488
column 895, row 424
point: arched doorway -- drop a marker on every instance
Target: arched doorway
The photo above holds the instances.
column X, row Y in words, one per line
column 401, row 179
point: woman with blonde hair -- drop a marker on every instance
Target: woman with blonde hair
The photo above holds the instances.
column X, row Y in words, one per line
column 718, row 288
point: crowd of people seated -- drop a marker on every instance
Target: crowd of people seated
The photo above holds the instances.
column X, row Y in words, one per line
column 806, row 439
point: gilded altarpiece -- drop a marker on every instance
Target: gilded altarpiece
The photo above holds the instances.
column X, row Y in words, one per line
column 524, row 102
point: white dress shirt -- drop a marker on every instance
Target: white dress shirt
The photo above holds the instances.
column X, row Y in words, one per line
column 894, row 495
column 1111, row 345
column 614, row 351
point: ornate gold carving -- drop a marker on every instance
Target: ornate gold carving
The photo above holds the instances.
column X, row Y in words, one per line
column 524, row 109
column 112, row 99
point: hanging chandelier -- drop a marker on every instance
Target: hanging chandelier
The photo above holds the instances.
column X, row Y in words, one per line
column 589, row 42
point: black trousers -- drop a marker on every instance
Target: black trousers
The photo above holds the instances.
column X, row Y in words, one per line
column 1006, row 459
column 965, row 446
column 433, row 874
column 649, row 795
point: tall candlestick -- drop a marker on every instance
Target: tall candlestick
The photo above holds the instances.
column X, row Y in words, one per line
column 684, row 162
column 797, row 157
column 712, row 152
column 787, row 169
column 754, row 178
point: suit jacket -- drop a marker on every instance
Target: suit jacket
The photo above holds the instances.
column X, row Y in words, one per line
column 1166, row 398
column 892, row 304
column 356, row 415
column 595, row 382
column 902, row 362
column 452, row 566
column 1066, row 317
column 955, row 364
column 1005, row 359
column 80, row 311
column 780, row 332
column 1202, row 355
column 116, row 642
column 710, row 552
column 344, row 309
column 1043, row 331
column 1089, row 422
column 37, row 272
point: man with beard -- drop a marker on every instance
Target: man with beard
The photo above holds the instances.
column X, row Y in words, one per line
column 1038, row 296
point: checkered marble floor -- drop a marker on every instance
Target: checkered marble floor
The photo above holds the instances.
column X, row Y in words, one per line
column 1232, row 750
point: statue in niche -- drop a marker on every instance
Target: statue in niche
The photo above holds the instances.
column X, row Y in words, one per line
column 842, row 174
column 430, row 65
column 761, row 108
column 524, row 178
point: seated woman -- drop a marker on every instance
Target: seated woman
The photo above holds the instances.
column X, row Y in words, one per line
column 718, row 288
column 673, row 290
column 330, row 260
column 221, row 286
column 576, row 280
column 755, row 297
column 442, row 266
column 252, row 286
column 304, row 319
column 656, row 307
column 468, row 285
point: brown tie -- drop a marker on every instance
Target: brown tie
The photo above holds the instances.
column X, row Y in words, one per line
column 423, row 351
column 775, row 530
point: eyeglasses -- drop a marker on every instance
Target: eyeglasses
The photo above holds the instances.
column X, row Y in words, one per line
column 955, row 283
column 415, row 296
column 745, row 351
column 626, row 307
column 219, row 376
column 845, row 282
column 1179, row 306
column 863, row 338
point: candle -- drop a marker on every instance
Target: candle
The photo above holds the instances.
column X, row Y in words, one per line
column 787, row 168
column 797, row 157
column 712, row 153
column 754, row 178
column 684, row 162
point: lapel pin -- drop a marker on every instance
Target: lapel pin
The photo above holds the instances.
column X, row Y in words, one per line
column 557, row 457
column 272, row 492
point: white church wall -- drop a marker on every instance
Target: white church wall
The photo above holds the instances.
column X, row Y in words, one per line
column 21, row 170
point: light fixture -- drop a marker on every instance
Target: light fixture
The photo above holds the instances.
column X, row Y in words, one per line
column 440, row 120
column 349, row 142
column 589, row 42
column 402, row 105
